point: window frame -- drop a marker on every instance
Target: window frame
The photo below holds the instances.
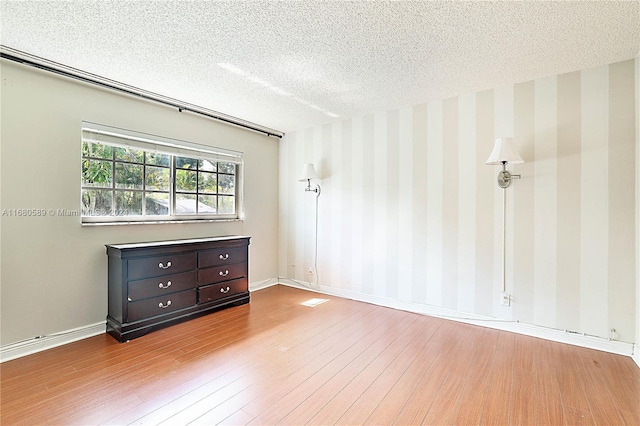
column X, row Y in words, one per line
column 151, row 144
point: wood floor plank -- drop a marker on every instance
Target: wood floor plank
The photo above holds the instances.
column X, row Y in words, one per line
column 524, row 396
column 630, row 418
column 389, row 372
column 238, row 418
column 620, row 379
column 189, row 377
column 93, row 412
column 577, row 417
column 442, row 410
column 318, row 399
column 275, row 361
column 323, row 344
column 597, row 391
column 496, row 410
column 570, row 384
column 475, row 386
column 77, row 399
column 471, row 401
column 549, row 409
column 229, row 413
column 419, row 403
column 393, row 402
column 349, row 394
column 186, row 400
column 211, row 399
column 283, row 403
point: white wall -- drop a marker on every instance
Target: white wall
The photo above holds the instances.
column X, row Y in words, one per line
column 53, row 270
column 410, row 212
column 636, row 355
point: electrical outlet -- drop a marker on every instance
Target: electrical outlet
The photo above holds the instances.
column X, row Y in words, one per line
column 505, row 299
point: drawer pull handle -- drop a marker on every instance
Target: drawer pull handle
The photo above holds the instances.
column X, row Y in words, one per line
column 160, row 305
column 160, row 265
column 225, row 273
column 165, row 286
column 225, row 257
column 222, row 290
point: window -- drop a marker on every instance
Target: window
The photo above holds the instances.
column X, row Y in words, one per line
column 133, row 177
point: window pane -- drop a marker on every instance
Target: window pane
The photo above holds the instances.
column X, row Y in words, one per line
column 185, row 204
column 207, row 182
column 227, row 168
column 130, row 155
column 157, row 178
column 97, row 173
column 96, row 150
column 226, row 184
column 157, row 159
column 226, row 205
column 157, row 204
column 120, row 182
column 128, row 203
column 96, row 202
column 186, row 180
column 207, row 204
column 208, row 166
column 128, row 176
column 187, row 163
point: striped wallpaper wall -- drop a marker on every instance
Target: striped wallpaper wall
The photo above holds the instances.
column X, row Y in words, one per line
column 410, row 212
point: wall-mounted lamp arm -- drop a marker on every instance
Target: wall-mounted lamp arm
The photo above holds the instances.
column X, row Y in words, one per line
column 308, row 188
column 505, row 177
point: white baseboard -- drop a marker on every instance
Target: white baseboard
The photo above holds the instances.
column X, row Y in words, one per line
column 612, row 346
column 636, row 354
column 262, row 284
column 31, row 346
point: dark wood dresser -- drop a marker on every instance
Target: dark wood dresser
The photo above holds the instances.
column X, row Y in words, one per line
column 157, row 284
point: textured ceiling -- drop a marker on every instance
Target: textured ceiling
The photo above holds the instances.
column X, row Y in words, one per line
column 289, row 65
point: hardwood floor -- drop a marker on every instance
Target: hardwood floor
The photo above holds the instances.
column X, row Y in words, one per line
column 275, row 361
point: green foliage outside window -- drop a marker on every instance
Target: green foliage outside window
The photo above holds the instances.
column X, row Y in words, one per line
column 133, row 182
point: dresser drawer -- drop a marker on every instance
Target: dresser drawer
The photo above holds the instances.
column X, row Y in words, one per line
column 222, row 290
column 160, row 305
column 161, row 265
column 221, row 273
column 222, row 256
column 143, row 289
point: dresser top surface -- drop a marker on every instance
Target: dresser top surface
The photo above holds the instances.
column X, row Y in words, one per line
column 175, row 242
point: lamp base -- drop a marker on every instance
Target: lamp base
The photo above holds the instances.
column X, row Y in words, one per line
column 504, row 179
column 308, row 188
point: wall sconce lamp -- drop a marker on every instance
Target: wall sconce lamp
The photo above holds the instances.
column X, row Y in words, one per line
column 308, row 173
column 504, row 153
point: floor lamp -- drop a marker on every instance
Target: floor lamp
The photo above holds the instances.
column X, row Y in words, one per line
column 504, row 153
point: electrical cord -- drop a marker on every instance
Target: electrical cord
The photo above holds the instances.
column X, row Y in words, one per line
column 315, row 253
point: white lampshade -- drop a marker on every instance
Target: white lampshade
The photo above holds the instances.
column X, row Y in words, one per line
column 308, row 172
column 503, row 151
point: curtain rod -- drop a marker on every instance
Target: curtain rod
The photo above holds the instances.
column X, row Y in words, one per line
column 66, row 71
